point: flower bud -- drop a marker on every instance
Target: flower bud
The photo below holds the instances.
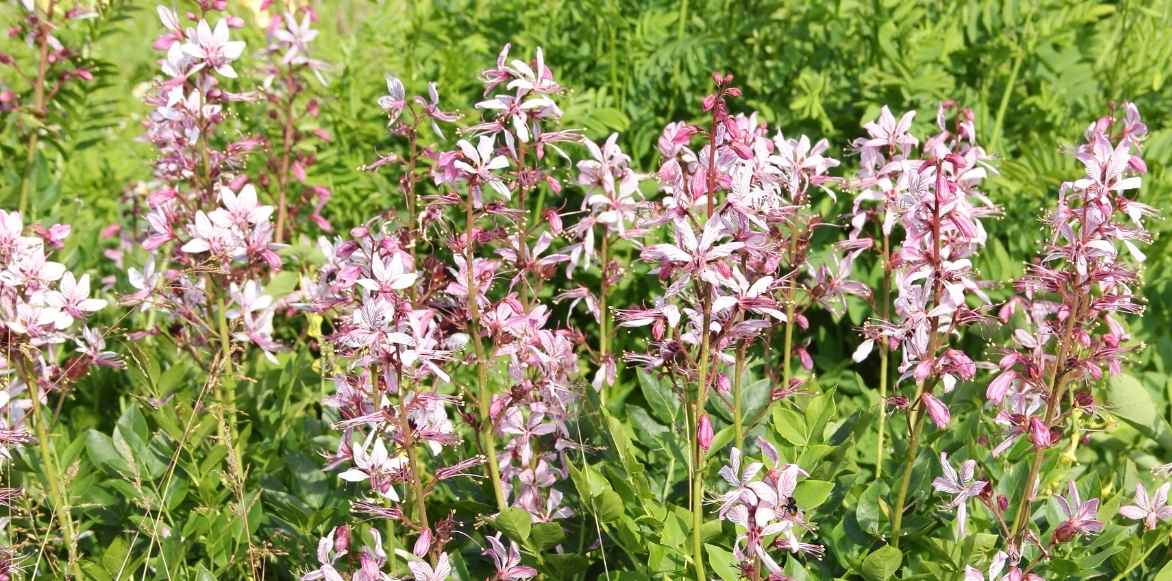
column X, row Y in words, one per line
column 422, row 544
column 723, row 384
column 1039, row 433
column 342, row 539
column 937, row 411
column 1065, row 532
column 704, row 433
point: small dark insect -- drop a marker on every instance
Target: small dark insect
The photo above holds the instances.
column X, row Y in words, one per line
column 791, row 506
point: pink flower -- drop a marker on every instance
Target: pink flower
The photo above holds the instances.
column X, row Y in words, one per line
column 1040, row 433
column 327, row 555
column 243, row 208
column 695, row 257
column 507, row 562
column 1081, row 517
column 999, row 386
column 421, row 571
column 1149, row 509
column 962, row 486
column 213, row 48
column 396, row 98
column 481, row 161
column 375, row 466
column 72, row 297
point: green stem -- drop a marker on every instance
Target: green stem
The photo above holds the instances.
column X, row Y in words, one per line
column 698, row 452
column 487, row 438
column 995, row 142
column 738, row 405
column 885, row 300
column 1057, row 385
column 52, row 472
column 603, row 313
column 226, row 398
column 418, row 498
column 39, row 107
column 915, row 425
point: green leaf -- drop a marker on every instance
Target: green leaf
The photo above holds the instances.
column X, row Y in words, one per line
column 721, row 562
column 202, row 574
column 1133, row 403
column 1165, row 573
column 516, row 523
column 547, row 534
column 664, row 405
column 790, row 425
column 589, row 481
column 870, row 511
column 608, row 506
column 810, row 494
column 102, row 451
column 882, row 564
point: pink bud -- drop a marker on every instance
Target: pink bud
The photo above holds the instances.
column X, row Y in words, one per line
column 804, row 357
column 937, row 411
column 554, row 184
column 423, row 543
column 723, row 384
column 999, row 386
column 1039, row 433
column 342, row 539
column 238, row 182
column 923, row 370
column 553, row 220
column 704, row 433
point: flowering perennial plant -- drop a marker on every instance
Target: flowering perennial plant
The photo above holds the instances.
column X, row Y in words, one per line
column 737, row 267
column 47, row 347
column 522, row 364
column 933, row 197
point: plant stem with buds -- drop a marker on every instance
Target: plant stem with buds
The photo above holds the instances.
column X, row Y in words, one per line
column 738, row 396
column 916, row 415
column 53, row 474
column 697, row 451
column 885, row 306
column 484, row 395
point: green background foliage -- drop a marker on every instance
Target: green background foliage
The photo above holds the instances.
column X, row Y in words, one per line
column 1036, row 73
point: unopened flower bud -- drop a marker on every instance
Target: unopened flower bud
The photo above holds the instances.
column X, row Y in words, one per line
column 422, row 544
column 704, row 433
column 937, row 411
column 342, row 539
column 1040, row 433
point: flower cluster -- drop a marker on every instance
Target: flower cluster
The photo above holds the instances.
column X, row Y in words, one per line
column 44, row 308
column 293, row 107
column 764, row 511
column 205, row 227
column 738, row 265
column 1071, row 334
column 60, row 65
column 932, row 196
column 401, row 329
